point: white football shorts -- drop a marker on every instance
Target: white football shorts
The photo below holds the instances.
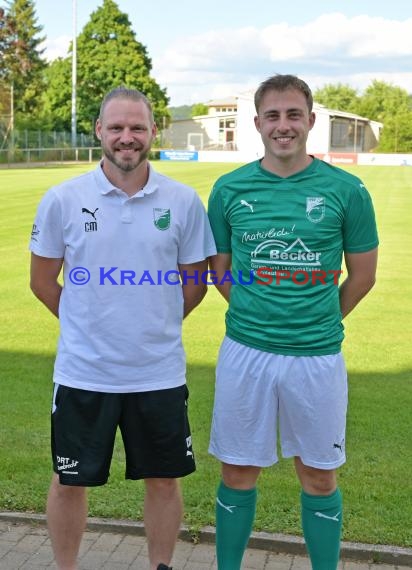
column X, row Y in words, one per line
column 258, row 393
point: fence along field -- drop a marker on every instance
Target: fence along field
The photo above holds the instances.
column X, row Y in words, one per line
column 376, row 479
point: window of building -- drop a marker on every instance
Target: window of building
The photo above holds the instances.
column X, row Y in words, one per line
column 347, row 135
column 227, row 133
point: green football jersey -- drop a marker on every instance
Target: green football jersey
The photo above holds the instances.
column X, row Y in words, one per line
column 287, row 237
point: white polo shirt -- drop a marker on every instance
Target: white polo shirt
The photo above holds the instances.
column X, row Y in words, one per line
column 121, row 308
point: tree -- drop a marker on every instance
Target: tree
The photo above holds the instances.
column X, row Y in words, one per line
column 57, row 96
column 390, row 105
column 3, row 36
column 5, row 90
column 108, row 56
column 381, row 100
column 22, row 64
column 339, row 97
column 396, row 134
column 181, row 112
column 199, row 109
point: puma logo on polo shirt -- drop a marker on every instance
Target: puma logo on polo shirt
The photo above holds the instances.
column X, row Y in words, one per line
column 86, row 211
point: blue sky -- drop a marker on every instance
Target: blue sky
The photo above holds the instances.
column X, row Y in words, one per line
column 203, row 51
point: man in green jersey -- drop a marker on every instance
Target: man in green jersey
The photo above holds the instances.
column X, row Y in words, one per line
column 286, row 220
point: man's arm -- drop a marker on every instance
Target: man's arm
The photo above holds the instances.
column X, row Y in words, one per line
column 221, row 263
column 44, row 272
column 194, row 289
column 361, row 278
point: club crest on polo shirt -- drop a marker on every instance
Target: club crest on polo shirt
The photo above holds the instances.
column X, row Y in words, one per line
column 315, row 209
column 161, row 218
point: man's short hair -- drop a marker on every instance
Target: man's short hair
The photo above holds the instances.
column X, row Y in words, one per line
column 283, row 83
column 126, row 93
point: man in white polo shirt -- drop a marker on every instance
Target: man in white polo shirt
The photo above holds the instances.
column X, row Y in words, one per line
column 133, row 245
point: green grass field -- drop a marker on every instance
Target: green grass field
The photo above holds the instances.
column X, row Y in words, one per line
column 376, row 479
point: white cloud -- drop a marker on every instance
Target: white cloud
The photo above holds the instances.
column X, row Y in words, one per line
column 211, row 49
column 56, row 47
column 376, row 37
column 331, row 48
column 326, row 36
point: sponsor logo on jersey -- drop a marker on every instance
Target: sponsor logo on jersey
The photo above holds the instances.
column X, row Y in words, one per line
column 265, row 234
column 315, row 209
column 161, row 218
column 278, row 252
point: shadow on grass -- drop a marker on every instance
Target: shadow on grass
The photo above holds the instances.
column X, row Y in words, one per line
column 374, row 480
column 379, row 402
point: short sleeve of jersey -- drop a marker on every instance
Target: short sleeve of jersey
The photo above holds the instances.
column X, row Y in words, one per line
column 197, row 241
column 47, row 233
column 359, row 231
column 220, row 227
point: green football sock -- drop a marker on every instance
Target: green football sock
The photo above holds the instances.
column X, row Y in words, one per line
column 322, row 524
column 235, row 513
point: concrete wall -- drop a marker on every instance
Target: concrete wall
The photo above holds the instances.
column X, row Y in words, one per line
column 248, row 138
column 318, row 139
column 177, row 135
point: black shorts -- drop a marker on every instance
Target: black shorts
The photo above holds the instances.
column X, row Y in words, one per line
column 154, row 427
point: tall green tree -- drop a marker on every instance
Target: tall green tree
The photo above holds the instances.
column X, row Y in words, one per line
column 21, row 56
column 5, row 91
column 381, row 100
column 396, row 135
column 108, row 55
column 3, row 36
column 390, row 105
column 57, row 95
column 339, row 97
